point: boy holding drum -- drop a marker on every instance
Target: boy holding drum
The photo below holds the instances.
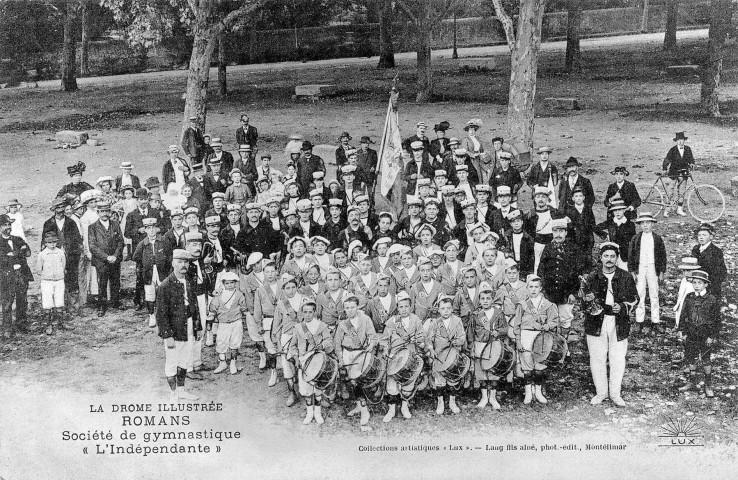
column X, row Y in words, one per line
column 445, row 333
column 488, row 324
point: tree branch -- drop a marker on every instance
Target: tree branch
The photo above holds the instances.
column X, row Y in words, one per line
column 449, row 6
column 507, row 24
column 403, row 6
column 233, row 17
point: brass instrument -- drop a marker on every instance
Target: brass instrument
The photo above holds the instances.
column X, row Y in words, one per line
column 208, row 250
column 592, row 306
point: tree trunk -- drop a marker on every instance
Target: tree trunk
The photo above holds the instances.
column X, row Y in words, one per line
column 203, row 46
column 423, row 50
column 720, row 19
column 523, row 75
column 573, row 24
column 386, row 47
column 644, row 17
column 672, row 12
column 84, row 58
column 222, row 81
column 69, row 53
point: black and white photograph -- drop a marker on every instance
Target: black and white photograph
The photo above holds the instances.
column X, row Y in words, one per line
column 368, row 239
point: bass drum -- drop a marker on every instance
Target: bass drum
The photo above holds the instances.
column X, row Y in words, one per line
column 320, row 370
column 498, row 357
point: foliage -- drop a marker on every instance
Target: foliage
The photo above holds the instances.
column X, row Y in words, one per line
column 278, row 14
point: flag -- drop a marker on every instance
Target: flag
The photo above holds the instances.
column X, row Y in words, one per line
column 391, row 192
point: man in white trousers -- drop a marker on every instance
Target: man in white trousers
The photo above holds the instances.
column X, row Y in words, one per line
column 607, row 303
column 647, row 264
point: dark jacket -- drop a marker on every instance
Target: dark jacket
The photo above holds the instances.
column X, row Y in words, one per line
column 565, row 192
column 135, row 182
column 75, row 190
column 510, row 177
column 675, row 162
column 134, row 221
column 70, row 239
column 408, row 141
column 348, row 235
column 167, row 173
column 634, row 253
column 435, row 146
column 193, row 143
column 160, row 255
column 341, row 158
column 171, row 311
column 260, row 239
column 628, row 193
column 530, row 223
column 559, row 269
column 20, row 252
column 712, row 261
column 248, row 137
column 582, row 227
column 700, row 317
column 211, row 185
column 539, row 177
column 527, row 252
column 306, row 168
column 426, row 171
column 367, row 161
column 620, row 234
column 104, row 243
column 226, row 164
column 332, row 232
column 227, row 238
column 623, row 290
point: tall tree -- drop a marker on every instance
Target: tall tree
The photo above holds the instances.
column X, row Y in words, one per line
column 222, row 77
column 721, row 13
column 386, row 46
column 84, row 57
column 425, row 15
column 524, row 45
column 672, row 14
column 573, row 26
column 644, row 17
column 69, row 52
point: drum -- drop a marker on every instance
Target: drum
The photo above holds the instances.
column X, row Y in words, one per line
column 405, row 366
column 498, row 357
column 372, row 369
column 452, row 365
column 320, row 370
column 549, row 348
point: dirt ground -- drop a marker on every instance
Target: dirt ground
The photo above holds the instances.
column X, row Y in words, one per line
column 631, row 111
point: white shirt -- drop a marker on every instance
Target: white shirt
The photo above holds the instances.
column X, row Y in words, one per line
column 472, row 292
column 647, row 250
column 184, row 284
column 446, row 322
column 367, row 279
column 573, row 180
column 236, row 228
column 295, row 302
column 517, row 238
column 544, row 223
column 386, row 301
column 703, row 247
column 60, row 223
column 681, row 150
column 410, row 271
column 609, row 299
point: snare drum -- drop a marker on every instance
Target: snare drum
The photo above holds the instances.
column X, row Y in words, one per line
column 320, row 370
column 371, row 368
column 452, row 365
column 405, row 366
column 549, row 348
column 498, row 357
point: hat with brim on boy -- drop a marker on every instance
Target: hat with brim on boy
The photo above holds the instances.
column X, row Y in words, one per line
column 605, row 246
column 699, row 275
column 689, row 263
column 544, row 150
column 149, row 222
column 103, row 179
column 620, row 170
column 294, row 240
column 395, row 248
column 645, row 217
column 13, row 203
column 541, row 190
column 426, row 226
column 705, row 227
column 504, row 191
column 353, row 246
column 319, row 239
column 104, row 206
column 617, row 205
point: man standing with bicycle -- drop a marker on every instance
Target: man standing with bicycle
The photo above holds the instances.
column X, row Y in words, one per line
column 677, row 164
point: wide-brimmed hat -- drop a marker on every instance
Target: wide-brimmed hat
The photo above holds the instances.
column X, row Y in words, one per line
column 617, row 204
column 58, row 202
column 244, row 148
column 699, row 275
column 679, row 136
column 125, row 164
column 474, row 122
column 307, row 145
column 345, row 135
column 104, row 178
column 441, row 127
column 572, row 162
column 645, row 217
column 620, row 170
column 215, row 142
column 14, row 202
column 365, row 139
column 689, row 263
column 541, row 190
column 544, row 150
column 5, row 219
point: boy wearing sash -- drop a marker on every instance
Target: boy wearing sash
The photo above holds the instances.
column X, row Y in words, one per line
column 487, row 325
column 445, row 332
column 228, row 309
column 265, row 305
column 286, row 317
column 425, row 293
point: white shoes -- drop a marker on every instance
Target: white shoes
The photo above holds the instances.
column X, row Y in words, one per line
column 272, row 378
column 318, row 415
column 597, row 399
column 183, row 395
column 485, row 399
column 440, row 407
column 308, row 415
column 452, row 404
column 221, row 367
column 528, row 394
column 365, row 415
column 539, row 394
column 262, row 360
column 618, row 401
column 357, row 409
column 680, row 211
column 405, row 409
column 493, row 400
column 152, row 320
column 390, row 414
column 209, row 342
column 173, row 397
column 234, row 367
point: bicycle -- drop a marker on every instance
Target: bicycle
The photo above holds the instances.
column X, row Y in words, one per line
column 705, row 202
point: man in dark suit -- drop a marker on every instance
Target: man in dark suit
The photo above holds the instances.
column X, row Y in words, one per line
column 366, row 158
column 677, row 162
column 193, row 142
column 419, row 136
column 341, row 151
column 177, row 314
column 247, row 134
column 70, row 240
column 625, row 191
column 543, row 173
column 256, row 235
column 215, row 180
column 226, row 159
column 14, row 278
column 306, row 165
column 126, row 177
column 574, row 180
column 197, row 182
column 106, row 245
column 174, row 168
column 710, row 258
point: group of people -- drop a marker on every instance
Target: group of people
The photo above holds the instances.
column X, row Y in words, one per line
column 464, row 292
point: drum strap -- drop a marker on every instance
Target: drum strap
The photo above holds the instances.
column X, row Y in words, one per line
column 354, row 334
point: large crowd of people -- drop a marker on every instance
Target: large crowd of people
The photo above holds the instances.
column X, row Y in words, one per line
column 464, row 293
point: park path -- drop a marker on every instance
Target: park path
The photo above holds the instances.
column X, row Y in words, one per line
column 405, row 58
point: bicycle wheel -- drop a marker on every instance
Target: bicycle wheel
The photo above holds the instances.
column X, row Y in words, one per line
column 706, row 203
column 652, row 198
